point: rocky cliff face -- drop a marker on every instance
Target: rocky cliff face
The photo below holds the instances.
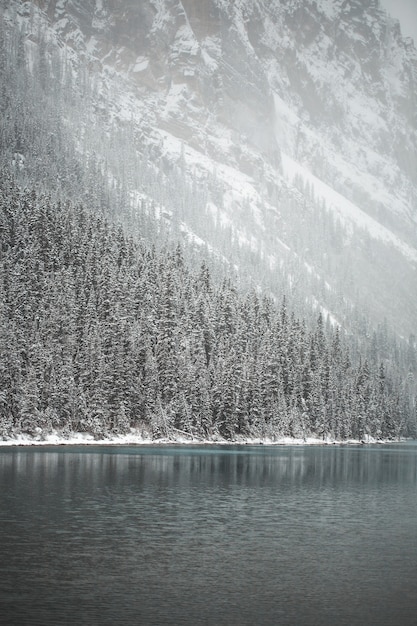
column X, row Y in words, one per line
column 342, row 68
column 295, row 105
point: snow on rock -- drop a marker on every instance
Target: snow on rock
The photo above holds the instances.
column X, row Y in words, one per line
column 142, row 63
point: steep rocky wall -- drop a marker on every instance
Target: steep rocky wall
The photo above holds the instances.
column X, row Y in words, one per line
column 342, row 67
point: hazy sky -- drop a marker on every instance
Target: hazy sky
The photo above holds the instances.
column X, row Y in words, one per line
column 406, row 12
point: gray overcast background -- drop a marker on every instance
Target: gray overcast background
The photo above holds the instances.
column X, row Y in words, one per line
column 406, row 12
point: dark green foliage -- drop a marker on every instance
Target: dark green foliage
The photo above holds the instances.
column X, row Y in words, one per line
column 100, row 334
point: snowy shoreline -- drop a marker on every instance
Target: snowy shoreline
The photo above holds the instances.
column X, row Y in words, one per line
column 136, row 439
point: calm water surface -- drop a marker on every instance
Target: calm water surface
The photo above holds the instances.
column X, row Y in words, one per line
column 216, row 535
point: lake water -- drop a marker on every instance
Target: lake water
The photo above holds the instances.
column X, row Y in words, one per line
column 221, row 535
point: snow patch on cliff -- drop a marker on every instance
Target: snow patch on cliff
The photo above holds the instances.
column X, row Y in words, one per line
column 348, row 212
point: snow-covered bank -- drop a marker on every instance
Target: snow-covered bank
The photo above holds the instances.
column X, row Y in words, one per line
column 138, row 439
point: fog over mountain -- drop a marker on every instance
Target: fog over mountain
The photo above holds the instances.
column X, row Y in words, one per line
column 405, row 12
column 289, row 128
column 275, row 140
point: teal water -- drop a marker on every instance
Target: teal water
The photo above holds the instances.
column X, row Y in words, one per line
column 218, row 535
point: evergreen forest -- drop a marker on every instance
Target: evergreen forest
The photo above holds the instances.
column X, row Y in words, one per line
column 102, row 333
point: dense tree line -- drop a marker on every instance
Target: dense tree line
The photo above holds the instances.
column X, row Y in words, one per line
column 100, row 333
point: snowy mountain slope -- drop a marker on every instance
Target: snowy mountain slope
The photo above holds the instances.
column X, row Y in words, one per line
column 346, row 210
column 296, row 121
